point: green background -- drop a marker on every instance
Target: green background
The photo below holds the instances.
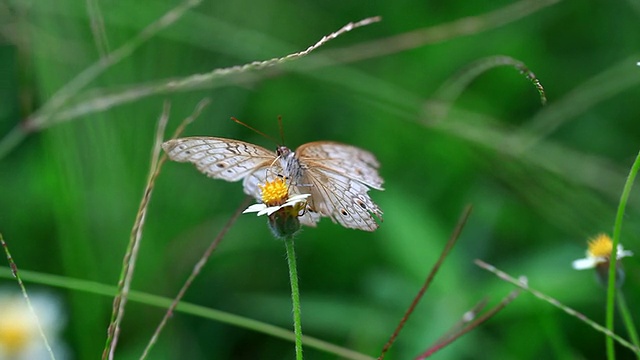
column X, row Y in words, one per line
column 542, row 179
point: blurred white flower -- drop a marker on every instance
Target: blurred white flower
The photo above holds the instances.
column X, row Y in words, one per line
column 599, row 252
column 20, row 338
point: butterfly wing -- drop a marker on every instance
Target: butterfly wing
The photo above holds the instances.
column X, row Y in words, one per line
column 310, row 218
column 338, row 177
column 226, row 159
column 350, row 161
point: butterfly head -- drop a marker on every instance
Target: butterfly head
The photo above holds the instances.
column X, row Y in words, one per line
column 283, row 151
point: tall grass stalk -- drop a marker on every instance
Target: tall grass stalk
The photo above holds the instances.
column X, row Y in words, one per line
column 611, row 290
column 92, row 287
column 131, row 255
column 434, row 270
column 523, row 284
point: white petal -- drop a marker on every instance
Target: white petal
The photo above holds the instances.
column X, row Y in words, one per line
column 271, row 210
column 268, row 210
column 622, row 252
column 582, row 264
column 255, row 208
column 293, row 203
column 298, row 198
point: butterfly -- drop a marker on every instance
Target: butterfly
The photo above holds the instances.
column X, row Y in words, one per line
column 338, row 176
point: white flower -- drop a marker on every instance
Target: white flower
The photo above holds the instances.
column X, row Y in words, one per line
column 263, row 209
column 20, row 338
column 599, row 252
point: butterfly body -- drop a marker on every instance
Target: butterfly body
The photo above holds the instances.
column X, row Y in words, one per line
column 338, row 176
column 291, row 167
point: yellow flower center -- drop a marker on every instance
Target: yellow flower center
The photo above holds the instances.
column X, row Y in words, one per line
column 14, row 334
column 274, row 193
column 601, row 246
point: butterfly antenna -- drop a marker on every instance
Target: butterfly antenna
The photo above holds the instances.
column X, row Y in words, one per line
column 280, row 127
column 254, row 129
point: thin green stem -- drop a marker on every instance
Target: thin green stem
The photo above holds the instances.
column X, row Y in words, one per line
column 616, row 240
column 49, row 111
column 628, row 320
column 295, row 294
column 522, row 283
column 14, row 271
column 133, row 248
column 448, row 247
column 147, row 299
column 73, row 87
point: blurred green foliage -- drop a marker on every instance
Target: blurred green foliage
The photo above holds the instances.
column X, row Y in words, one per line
column 541, row 179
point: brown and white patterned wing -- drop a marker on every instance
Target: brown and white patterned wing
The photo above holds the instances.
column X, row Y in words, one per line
column 341, row 198
column 310, row 218
column 338, row 177
column 346, row 160
column 221, row 158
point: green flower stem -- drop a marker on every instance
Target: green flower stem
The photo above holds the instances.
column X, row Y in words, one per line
column 14, row 271
column 628, row 320
column 616, row 240
column 295, row 294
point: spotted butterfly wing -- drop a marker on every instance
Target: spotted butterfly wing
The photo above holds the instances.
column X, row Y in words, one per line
column 338, row 177
column 226, row 159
